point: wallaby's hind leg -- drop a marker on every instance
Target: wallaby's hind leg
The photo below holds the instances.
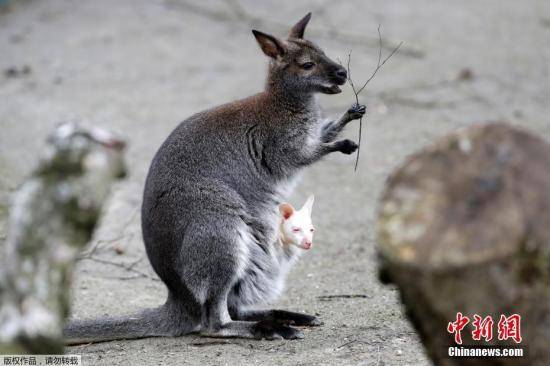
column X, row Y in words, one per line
column 216, row 323
column 283, row 316
column 217, row 267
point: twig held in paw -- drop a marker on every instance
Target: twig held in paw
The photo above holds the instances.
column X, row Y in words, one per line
column 358, row 91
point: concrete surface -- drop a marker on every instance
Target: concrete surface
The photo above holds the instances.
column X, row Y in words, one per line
column 140, row 67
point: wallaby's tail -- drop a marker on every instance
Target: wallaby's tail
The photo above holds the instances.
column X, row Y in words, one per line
column 158, row 322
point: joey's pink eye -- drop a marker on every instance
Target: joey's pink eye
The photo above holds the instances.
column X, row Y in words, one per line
column 296, row 229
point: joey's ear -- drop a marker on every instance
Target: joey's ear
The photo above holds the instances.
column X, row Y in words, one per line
column 298, row 30
column 286, row 210
column 309, row 203
column 271, row 46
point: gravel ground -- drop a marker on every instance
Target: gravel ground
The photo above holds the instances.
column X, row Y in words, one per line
column 140, row 67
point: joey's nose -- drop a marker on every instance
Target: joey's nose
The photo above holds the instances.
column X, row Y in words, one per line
column 342, row 73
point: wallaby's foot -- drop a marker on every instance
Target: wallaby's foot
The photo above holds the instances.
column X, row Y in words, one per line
column 233, row 329
column 265, row 329
column 346, row 146
column 299, row 319
column 271, row 330
column 356, row 111
column 217, row 321
column 292, row 318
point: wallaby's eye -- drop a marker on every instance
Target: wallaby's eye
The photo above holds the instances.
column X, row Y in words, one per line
column 308, row 65
column 312, row 229
column 296, row 229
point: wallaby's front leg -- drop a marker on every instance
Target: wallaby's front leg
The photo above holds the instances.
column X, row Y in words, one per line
column 283, row 316
column 344, row 146
column 331, row 130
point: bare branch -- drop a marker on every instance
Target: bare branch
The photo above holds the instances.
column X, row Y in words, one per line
column 127, row 267
column 344, row 296
column 379, row 65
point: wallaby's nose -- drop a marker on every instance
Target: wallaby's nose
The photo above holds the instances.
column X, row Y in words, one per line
column 342, row 73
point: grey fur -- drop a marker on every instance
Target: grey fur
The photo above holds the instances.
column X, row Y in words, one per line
column 209, row 214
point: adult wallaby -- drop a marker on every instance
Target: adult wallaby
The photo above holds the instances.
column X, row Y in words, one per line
column 209, row 214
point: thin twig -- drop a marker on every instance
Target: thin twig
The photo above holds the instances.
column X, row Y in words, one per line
column 119, row 237
column 353, row 341
column 211, row 343
column 96, row 246
column 128, row 267
column 347, row 343
column 344, row 296
column 379, row 65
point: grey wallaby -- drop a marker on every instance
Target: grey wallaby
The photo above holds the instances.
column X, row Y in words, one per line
column 210, row 205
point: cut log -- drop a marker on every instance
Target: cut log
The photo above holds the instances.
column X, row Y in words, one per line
column 464, row 226
column 52, row 217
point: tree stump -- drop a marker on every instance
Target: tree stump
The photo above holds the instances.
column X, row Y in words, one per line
column 52, row 217
column 464, row 226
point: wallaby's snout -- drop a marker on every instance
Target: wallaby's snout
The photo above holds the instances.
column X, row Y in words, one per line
column 342, row 74
column 337, row 76
column 298, row 65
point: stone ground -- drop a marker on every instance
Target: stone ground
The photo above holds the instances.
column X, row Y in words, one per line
column 140, row 67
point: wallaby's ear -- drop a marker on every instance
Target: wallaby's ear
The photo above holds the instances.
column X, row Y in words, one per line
column 269, row 44
column 286, row 210
column 298, row 30
column 309, row 203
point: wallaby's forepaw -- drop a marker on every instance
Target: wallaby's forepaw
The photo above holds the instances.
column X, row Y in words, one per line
column 356, row 111
column 346, row 146
column 271, row 330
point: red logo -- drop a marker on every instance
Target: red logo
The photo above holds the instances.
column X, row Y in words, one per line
column 482, row 328
column 457, row 326
column 508, row 327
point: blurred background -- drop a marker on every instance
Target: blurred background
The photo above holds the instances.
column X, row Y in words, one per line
column 141, row 67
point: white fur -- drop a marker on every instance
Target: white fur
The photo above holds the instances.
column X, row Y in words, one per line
column 296, row 227
column 243, row 249
column 261, row 280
